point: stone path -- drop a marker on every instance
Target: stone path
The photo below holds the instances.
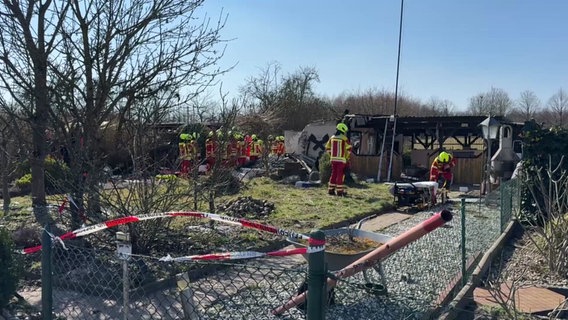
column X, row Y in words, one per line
column 530, row 299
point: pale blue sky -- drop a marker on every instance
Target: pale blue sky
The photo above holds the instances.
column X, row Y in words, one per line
column 451, row 49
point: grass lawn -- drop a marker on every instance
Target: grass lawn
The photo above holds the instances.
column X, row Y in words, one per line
column 296, row 209
column 300, row 208
column 308, row 208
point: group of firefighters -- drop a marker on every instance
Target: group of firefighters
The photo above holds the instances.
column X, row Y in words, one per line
column 339, row 149
column 237, row 150
column 230, row 150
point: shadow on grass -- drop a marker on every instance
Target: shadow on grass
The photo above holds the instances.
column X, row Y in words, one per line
column 357, row 185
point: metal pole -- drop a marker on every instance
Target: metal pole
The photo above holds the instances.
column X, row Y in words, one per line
column 317, row 282
column 379, row 173
column 392, row 150
column 488, row 167
column 124, row 251
column 463, row 251
column 125, row 288
column 396, row 88
column 46, row 280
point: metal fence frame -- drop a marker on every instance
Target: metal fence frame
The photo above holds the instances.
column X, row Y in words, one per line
column 314, row 276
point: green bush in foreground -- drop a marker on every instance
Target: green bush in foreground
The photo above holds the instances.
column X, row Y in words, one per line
column 9, row 269
column 325, row 168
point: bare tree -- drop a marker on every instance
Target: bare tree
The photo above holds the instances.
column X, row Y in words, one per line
column 290, row 98
column 377, row 102
column 528, row 105
column 12, row 149
column 439, row 107
column 495, row 102
column 548, row 188
column 263, row 89
column 100, row 57
column 558, row 106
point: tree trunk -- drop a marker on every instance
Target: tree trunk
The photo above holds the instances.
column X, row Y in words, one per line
column 39, row 202
column 5, row 183
column 39, row 140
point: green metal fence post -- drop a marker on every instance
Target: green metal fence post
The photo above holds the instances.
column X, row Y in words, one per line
column 512, row 187
column 46, row 284
column 463, row 252
column 501, row 207
column 317, row 288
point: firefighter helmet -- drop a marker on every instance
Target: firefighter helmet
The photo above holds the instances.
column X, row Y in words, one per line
column 342, row 127
column 444, row 157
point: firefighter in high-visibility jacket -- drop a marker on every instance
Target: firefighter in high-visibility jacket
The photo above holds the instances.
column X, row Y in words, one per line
column 273, row 143
column 255, row 149
column 339, row 149
column 241, row 150
column 232, row 149
column 184, row 153
column 281, row 148
column 441, row 169
column 193, row 150
column 211, row 150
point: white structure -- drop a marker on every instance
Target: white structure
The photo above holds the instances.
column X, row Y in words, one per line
column 504, row 160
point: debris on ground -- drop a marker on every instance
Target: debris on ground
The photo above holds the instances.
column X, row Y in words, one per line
column 247, row 207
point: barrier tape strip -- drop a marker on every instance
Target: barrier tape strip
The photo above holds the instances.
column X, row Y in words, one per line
column 242, row 255
column 86, row 230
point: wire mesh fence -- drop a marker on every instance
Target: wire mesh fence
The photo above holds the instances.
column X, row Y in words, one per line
column 510, row 198
column 94, row 284
column 97, row 283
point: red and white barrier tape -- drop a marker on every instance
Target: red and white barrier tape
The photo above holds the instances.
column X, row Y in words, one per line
column 242, row 255
column 131, row 219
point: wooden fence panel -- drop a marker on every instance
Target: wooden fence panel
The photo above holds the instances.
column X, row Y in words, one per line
column 367, row 166
column 467, row 170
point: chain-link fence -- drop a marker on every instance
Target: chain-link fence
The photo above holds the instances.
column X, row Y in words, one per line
column 94, row 284
column 510, row 197
column 98, row 283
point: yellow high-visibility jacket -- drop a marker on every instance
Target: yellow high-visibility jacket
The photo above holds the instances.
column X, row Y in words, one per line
column 339, row 148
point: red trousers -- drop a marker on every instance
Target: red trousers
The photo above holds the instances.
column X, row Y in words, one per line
column 337, row 176
column 241, row 161
column 210, row 163
column 185, row 164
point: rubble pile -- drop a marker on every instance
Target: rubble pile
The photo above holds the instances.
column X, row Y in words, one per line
column 246, row 207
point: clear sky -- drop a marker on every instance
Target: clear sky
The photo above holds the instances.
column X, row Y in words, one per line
column 451, row 49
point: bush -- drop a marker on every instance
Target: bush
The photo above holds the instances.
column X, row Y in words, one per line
column 25, row 182
column 325, row 168
column 56, row 173
column 9, row 276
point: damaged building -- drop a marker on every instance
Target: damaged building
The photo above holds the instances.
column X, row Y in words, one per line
column 417, row 140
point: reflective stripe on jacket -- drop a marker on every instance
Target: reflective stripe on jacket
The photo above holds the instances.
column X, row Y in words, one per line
column 338, row 148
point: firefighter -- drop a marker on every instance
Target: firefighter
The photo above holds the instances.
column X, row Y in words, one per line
column 441, row 169
column 273, row 143
column 241, row 150
column 232, row 149
column 248, row 143
column 339, row 149
column 222, row 148
column 210, row 150
column 281, row 148
column 193, row 150
column 184, row 154
column 255, row 149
